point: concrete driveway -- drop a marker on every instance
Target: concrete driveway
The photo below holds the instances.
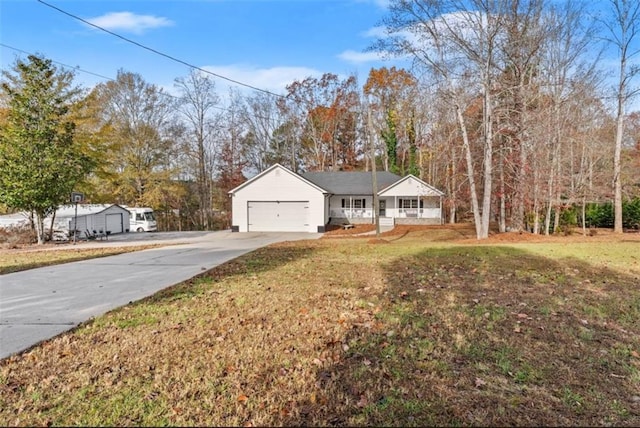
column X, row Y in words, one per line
column 39, row 304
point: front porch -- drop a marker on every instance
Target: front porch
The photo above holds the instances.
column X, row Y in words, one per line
column 408, row 201
column 397, row 213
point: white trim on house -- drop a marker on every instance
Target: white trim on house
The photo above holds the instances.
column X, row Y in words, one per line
column 284, row 200
column 268, row 170
column 388, row 190
column 276, row 194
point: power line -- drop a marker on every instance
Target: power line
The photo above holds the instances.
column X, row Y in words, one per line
column 172, row 58
column 77, row 68
column 59, row 63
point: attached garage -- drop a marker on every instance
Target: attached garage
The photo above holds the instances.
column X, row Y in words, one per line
column 278, row 216
column 278, row 200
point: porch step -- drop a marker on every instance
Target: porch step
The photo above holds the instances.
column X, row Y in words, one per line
column 387, row 221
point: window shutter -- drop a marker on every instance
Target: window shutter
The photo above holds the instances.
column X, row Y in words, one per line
column 363, row 206
column 400, row 203
column 342, row 202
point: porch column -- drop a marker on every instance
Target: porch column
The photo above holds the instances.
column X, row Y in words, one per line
column 441, row 222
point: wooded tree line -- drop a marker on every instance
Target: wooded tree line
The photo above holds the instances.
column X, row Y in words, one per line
column 505, row 108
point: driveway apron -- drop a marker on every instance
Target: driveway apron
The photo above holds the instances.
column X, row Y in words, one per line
column 38, row 304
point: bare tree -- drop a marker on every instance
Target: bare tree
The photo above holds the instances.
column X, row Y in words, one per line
column 197, row 102
column 262, row 118
column 564, row 74
column 457, row 40
column 623, row 28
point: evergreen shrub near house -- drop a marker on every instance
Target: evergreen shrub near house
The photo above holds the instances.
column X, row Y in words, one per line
column 601, row 215
column 631, row 214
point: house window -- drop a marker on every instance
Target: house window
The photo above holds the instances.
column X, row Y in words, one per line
column 408, row 203
column 353, row 203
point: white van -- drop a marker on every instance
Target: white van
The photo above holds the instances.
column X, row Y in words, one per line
column 142, row 219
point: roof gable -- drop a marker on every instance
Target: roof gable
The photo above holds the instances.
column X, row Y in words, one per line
column 83, row 209
column 267, row 171
column 410, row 185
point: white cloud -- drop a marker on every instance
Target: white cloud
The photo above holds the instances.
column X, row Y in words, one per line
column 376, row 33
column 274, row 79
column 360, row 57
column 129, row 22
column 383, row 4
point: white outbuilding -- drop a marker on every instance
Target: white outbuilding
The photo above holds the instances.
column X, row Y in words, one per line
column 92, row 219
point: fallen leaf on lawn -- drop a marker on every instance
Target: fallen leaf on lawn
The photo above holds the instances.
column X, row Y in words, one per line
column 635, row 354
column 366, row 362
column 480, row 383
column 521, row 315
column 242, row 399
column 362, row 402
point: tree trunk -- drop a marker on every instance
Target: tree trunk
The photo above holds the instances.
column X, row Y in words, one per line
column 39, row 223
column 617, row 165
column 488, row 166
column 470, row 172
column 503, row 214
column 452, row 187
column 53, row 219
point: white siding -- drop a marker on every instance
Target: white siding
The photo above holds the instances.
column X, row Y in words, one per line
column 276, row 185
column 409, row 187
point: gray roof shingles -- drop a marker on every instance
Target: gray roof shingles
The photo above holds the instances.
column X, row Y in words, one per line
column 350, row 182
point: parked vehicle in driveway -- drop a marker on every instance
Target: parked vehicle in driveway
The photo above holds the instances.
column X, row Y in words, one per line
column 142, row 219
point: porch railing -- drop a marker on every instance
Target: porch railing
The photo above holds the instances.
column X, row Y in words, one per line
column 352, row 213
column 389, row 212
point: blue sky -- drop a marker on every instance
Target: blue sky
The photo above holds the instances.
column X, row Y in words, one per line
column 264, row 43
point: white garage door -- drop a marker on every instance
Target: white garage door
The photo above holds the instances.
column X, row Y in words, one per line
column 278, row 216
column 114, row 223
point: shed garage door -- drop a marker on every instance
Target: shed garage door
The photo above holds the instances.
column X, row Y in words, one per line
column 114, row 223
column 278, row 216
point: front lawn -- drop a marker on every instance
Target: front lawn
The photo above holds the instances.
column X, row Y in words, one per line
column 404, row 331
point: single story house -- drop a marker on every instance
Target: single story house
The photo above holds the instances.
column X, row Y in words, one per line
column 280, row 200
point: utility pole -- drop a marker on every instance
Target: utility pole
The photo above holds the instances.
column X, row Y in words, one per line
column 376, row 203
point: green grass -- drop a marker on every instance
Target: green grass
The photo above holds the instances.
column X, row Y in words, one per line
column 410, row 332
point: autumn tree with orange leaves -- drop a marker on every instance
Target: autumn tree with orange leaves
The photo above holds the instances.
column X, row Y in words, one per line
column 325, row 115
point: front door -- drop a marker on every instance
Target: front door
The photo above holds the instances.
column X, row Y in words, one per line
column 383, row 208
